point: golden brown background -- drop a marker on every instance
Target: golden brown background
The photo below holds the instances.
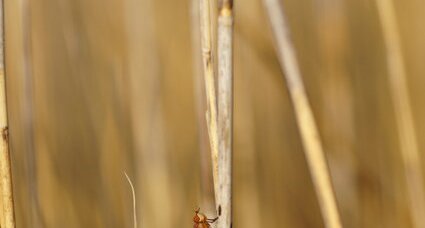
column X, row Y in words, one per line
column 99, row 87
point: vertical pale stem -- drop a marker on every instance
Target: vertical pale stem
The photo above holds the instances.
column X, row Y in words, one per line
column 207, row 60
column 5, row 169
column 309, row 133
column 403, row 112
column 225, row 113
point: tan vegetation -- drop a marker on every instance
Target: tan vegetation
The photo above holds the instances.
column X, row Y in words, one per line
column 113, row 89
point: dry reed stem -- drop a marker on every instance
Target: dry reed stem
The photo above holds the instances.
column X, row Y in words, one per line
column 207, row 189
column 5, row 168
column 403, row 112
column 225, row 112
column 207, row 60
column 310, row 137
column 133, row 193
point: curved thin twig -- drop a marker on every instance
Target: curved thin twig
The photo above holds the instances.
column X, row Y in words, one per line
column 133, row 192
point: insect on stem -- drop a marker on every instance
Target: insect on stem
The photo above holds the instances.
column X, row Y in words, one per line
column 202, row 221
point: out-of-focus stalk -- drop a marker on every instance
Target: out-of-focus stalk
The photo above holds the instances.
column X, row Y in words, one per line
column 403, row 112
column 308, row 129
column 28, row 117
column 153, row 179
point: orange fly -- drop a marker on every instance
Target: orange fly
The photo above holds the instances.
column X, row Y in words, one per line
column 201, row 221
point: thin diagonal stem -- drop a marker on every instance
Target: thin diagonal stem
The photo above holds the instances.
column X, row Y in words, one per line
column 308, row 129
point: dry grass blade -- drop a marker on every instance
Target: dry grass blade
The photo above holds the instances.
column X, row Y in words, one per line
column 225, row 112
column 403, row 112
column 5, row 169
column 133, row 192
column 310, row 137
column 207, row 60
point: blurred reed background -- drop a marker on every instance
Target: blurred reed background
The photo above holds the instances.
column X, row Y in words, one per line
column 96, row 88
